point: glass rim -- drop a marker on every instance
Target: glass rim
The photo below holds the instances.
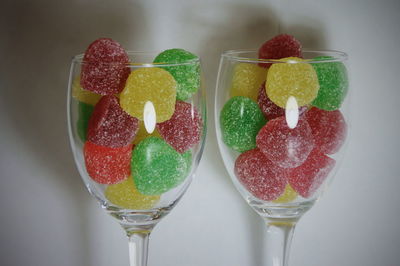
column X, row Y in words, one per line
column 235, row 55
column 78, row 59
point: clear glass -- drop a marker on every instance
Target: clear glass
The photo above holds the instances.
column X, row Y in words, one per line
column 137, row 211
column 282, row 152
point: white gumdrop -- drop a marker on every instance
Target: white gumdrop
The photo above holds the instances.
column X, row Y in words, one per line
column 149, row 117
column 292, row 112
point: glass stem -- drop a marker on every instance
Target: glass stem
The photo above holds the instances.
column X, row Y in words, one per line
column 278, row 241
column 138, row 247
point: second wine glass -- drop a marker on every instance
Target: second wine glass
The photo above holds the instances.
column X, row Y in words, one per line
column 281, row 125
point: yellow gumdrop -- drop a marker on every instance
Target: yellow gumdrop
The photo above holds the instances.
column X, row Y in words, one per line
column 292, row 79
column 83, row 95
column 287, row 196
column 247, row 79
column 125, row 195
column 149, row 84
column 142, row 133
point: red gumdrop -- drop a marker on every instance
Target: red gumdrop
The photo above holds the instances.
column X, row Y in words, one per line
column 281, row 46
column 107, row 165
column 104, row 67
column 183, row 130
column 286, row 147
column 308, row 177
column 329, row 129
column 111, row 126
column 269, row 109
column 260, row 176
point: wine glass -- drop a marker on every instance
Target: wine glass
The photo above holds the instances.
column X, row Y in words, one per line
column 281, row 126
column 140, row 182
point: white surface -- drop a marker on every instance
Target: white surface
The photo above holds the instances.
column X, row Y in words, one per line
column 49, row 219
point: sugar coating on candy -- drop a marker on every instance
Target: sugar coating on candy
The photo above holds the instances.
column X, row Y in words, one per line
column 333, row 82
column 183, row 130
column 149, row 84
column 104, row 67
column 109, row 125
column 84, row 113
column 105, row 50
column 298, row 80
column 269, row 109
column 259, row 175
column 328, row 128
column 288, row 148
column 288, row 195
column 240, row 121
column 125, row 195
column 246, row 80
column 157, row 167
column 142, row 133
column 107, row 165
column 187, row 75
column 280, row 46
column 308, row 177
column 82, row 95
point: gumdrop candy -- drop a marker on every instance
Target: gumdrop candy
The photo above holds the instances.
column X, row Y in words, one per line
column 280, row 46
column 292, row 78
column 259, row 175
column 269, row 109
column 82, row 95
column 240, row 121
column 333, row 82
column 183, row 130
column 187, row 75
column 328, row 128
column 107, row 165
column 104, row 67
column 246, row 80
column 142, row 133
column 288, row 148
column 308, row 177
column 125, row 195
column 84, row 113
column 288, row 195
column 109, row 125
column 149, row 84
column 157, row 167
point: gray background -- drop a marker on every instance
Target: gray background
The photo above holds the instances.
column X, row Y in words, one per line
column 47, row 216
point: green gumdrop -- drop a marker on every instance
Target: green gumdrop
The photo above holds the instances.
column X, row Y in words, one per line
column 333, row 82
column 187, row 76
column 84, row 112
column 240, row 121
column 157, row 167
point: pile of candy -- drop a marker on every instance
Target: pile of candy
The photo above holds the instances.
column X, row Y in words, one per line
column 136, row 165
column 281, row 159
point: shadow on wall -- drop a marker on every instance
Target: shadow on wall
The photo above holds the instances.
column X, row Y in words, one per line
column 309, row 31
column 244, row 26
column 232, row 27
column 42, row 37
